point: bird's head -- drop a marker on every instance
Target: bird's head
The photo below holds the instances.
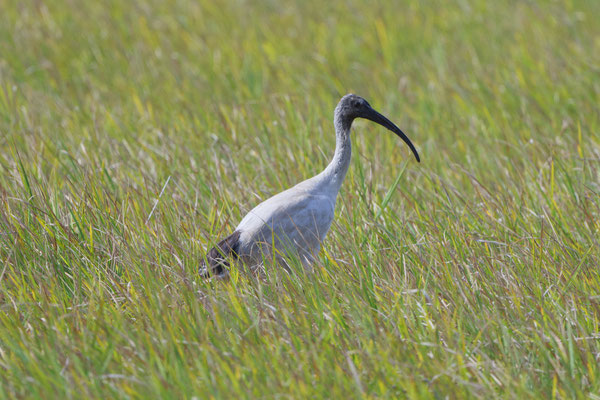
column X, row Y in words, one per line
column 352, row 106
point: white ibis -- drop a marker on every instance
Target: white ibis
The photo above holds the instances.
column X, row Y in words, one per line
column 295, row 221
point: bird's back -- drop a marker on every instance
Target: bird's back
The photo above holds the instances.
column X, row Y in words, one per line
column 296, row 219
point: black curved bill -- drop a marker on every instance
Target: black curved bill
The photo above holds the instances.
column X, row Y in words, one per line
column 383, row 121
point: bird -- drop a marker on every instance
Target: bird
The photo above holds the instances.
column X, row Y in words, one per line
column 294, row 223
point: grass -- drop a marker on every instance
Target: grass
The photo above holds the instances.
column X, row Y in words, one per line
column 135, row 134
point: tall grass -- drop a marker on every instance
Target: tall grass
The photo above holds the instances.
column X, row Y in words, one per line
column 134, row 134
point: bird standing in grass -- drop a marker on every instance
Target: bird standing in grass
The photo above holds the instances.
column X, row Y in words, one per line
column 294, row 222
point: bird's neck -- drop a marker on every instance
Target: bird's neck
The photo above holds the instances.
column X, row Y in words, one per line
column 337, row 168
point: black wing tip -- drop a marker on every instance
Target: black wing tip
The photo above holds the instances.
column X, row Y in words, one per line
column 216, row 262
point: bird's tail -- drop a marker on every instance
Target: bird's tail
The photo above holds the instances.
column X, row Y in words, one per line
column 217, row 259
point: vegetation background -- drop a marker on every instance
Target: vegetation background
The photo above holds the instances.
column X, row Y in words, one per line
column 133, row 134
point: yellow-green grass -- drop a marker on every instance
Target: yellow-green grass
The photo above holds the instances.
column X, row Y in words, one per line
column 134, row 134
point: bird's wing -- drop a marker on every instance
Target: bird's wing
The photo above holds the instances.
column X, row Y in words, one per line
column 217, row 258
column 301, row 217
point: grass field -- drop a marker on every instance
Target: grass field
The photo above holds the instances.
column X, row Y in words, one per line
column 133, row 134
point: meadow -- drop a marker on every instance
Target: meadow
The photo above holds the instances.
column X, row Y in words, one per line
column 134, row 134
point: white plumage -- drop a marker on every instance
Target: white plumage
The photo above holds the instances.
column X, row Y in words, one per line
column 294, row 222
